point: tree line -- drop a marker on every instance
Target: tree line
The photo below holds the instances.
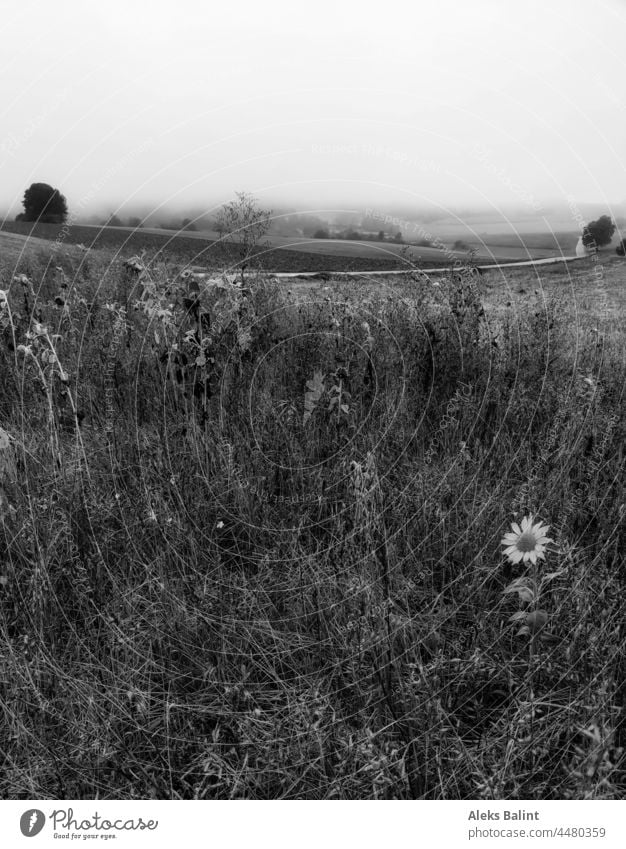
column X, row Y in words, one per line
column 46, row 205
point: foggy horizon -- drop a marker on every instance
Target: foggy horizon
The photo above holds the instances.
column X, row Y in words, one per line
column 496, row 106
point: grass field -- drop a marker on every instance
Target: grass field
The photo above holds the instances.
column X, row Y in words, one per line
column 589, row 289
column 198, row 250
column 292, row 254
column 251, row 537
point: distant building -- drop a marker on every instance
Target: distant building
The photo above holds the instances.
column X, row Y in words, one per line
column 581, row 250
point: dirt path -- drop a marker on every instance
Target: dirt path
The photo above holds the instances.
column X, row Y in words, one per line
column 440, row 270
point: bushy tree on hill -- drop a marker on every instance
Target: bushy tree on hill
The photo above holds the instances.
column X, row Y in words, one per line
column 599, row 233
column 44, row 204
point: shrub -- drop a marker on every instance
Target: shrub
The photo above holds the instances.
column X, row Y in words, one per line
column 242, row 226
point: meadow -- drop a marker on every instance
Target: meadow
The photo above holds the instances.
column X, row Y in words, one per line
column 200, row 249
column 285, row 254
column 251, row 535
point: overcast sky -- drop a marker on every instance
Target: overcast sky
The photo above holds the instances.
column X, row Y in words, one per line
column 448, row 102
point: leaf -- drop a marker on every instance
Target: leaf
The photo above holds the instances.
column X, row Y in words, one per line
column 536, row 620
column 517, row 617
column 315, row 390
column 523, row 587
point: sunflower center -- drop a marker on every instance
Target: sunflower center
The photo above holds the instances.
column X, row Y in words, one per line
column 527, row 541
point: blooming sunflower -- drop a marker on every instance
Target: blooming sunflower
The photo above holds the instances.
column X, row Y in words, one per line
column 527, row 542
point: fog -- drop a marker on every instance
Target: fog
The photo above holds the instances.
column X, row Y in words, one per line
column 440, row 106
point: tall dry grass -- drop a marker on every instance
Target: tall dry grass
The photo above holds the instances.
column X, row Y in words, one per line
column 250, row 543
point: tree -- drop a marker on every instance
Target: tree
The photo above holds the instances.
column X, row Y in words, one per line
column 620, row 250
column 598, row 233
column 241, row 225
column 381, row 235
column 398, row 237
column 134, row 222
column 321, row 234
column 113, row 221
column 188, row 224
column 44, row 204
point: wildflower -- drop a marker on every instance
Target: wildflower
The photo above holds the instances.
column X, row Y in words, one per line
column 527, row 542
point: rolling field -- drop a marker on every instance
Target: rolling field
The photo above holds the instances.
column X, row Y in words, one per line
column 14, row 248
column 294, row 254
column 197, row 250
